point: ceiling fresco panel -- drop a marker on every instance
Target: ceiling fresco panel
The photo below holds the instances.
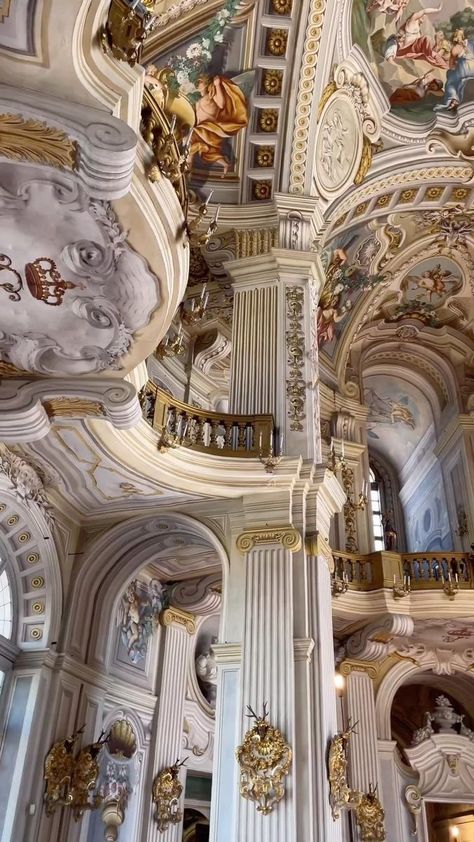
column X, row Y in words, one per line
column 422, row 53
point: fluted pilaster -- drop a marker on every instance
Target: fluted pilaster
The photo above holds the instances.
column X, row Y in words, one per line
column 254, row 350
column 364, row 763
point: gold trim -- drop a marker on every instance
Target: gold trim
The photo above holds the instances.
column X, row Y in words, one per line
column 329, row 90
column 179, row 617
column 287, row 536
column 353, row 665
column 365, row 161
column 72, row 407
column 316, row 545
column 5, row 10
column 35, row 142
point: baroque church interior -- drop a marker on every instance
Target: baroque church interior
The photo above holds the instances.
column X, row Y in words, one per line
column 236, row 420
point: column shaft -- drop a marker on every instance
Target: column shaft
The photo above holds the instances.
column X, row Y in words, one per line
column 253, row 388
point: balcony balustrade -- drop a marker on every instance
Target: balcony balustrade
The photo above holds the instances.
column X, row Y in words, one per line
column 215, row 433
column 427, row 571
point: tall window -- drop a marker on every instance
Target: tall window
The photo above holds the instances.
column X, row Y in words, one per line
column 6, row 621
column 376, row 513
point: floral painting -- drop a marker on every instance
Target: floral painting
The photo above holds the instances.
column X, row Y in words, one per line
column 347, row 276
column 204, row 94
column 139, row 611
column 422, row 54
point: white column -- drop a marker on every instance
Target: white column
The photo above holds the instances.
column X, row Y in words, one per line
column 167, row 738
column 323, row 695
column 225, row 779
column 360, row 708
column 268, row 668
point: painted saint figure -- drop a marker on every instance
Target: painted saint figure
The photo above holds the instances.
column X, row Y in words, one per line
column 221, row 112
column 461, row 70
column 410, row 43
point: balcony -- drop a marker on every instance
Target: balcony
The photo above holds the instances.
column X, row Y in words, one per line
column 216, row 433
column 426, row 571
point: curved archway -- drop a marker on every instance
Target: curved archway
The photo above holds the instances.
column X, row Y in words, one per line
column 112, row 561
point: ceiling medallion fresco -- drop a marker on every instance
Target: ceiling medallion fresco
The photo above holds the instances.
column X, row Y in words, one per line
column 424, row 293
column 203, row 88
column 73, row 293
column 423, row 55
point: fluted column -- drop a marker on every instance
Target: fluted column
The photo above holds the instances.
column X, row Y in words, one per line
column 323, row 696
column 268, row 665
column 179, row 626
column 360, row 708
column 274, row 347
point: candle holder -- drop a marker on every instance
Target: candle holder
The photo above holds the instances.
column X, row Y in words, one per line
column 401, row 590
column 174, row 433
column 172, row 163
column 171, row 347
column 271, row 461
column 335, row 463
column 450, row 586
column 339, row 585
column 202, row 238
column 195, row 311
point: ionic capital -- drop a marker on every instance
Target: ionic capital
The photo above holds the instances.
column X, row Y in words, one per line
column 176, row 616
column 287, row 536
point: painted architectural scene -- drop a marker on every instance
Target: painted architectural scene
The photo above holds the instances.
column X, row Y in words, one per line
column 423, row 54
column 205, row 91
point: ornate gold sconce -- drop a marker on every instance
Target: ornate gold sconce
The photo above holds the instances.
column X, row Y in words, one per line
column 450, row 586
column 128, row 24
column 174, row 432
column 270, row 461
column 341, row 796
column 195, row 311
column 334, row 462
column 166, row 793
column 171, row 347
column 171, row 161
column 202, row 238
column 401, row 590
column 370, row 817
column 264, row 759
column 71, row 780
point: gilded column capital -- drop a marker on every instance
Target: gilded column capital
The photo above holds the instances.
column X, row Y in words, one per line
column 176, row 616
column 287, row 536
column 352, row 665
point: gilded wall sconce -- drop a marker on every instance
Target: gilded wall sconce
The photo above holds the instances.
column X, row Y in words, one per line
column 370, row 817
column 71, row 779
column 401, row 590
column 128, row 24
column 450, row 585
column 166, row 793
column 264, row 759
column 341, row 796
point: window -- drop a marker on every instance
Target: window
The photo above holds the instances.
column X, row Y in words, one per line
column 5, row 606
column 376, row 513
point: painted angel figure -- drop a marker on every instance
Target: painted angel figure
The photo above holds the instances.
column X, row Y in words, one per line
column 221, row 112
column 130, row 620
column 388, row 7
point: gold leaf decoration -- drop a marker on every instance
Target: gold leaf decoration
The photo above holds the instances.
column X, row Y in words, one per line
column 33, row 141
column 72, row 407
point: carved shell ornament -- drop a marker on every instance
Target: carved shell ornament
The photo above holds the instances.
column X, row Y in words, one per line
column 264, row 759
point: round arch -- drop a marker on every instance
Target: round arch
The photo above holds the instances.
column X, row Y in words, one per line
column 31, row 557
column 110, row 563
column 459, row 684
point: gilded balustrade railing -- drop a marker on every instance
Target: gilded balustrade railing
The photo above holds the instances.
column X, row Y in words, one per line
column 216, row 433
column 383, row 569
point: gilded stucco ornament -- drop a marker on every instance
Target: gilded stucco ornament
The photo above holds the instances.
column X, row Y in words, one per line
column 35, row 142
column 295, row 350
column 370, row 817
column 166, row 794
column 71, row 780
column 264, row 759
column 341, row 796
column 287, row 536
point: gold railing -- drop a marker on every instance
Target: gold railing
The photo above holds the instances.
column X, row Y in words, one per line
column 216, row 433
column 426, row 570
column 168, row 158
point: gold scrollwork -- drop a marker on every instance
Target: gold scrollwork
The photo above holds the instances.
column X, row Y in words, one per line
column 72, row 407
column 287, row 536
column 370, row 817
column 264, row 759
column 71, row 780
column 341, row 796
column 295, row 347
column 33, row 141
column 353, row 665
column 181, row 618
column 166, row 793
